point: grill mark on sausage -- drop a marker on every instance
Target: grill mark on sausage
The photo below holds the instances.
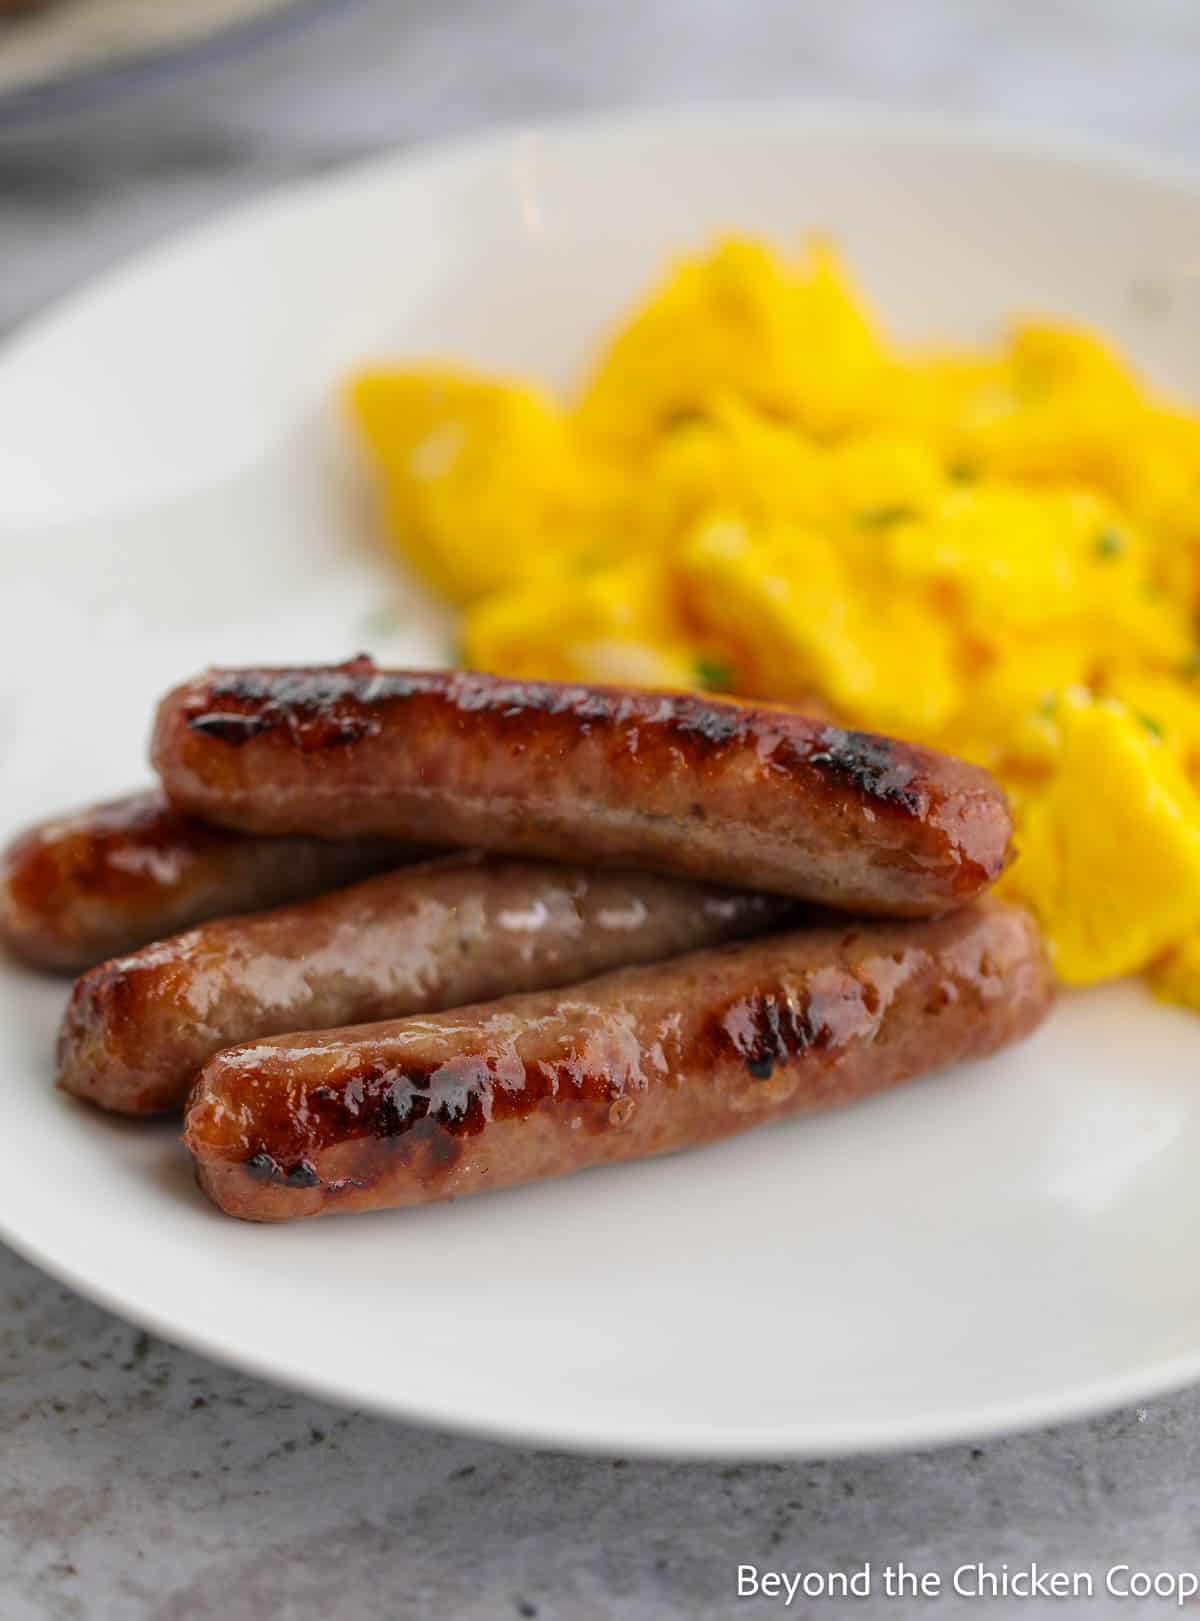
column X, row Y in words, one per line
column 764, row 1029
column 302, row 1175
column 318, row 709
column 429, row 1108
column 231, row 728
column 872, row 765
column 775, row 1024
column 640, row 1062
column 792, row 805
column 330, row 708
column 698, row 722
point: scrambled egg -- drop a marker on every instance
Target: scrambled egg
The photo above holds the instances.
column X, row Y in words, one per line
column 1111, row 848
column 997, row 553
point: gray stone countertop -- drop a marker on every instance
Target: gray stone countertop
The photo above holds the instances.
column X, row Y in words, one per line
column 142, row 1481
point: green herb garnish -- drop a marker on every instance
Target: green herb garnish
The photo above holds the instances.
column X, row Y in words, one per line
column 1110, row 543
column 381, row 620
column 885, row 517
column 714, row 675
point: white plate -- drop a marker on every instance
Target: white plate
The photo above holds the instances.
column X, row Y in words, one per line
column 1002, row 1246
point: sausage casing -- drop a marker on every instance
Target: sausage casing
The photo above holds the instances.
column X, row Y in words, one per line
column 637, row 1062
column 756, row 798
column 85, row 886
column 138, row 1029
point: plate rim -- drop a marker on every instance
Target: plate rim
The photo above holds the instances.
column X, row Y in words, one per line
column 834, row 114
column 1062, row 1403
column 1065, row 1404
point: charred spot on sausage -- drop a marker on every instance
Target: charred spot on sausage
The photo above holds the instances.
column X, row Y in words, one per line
column 764, row 1029
column 698, row 722
column 317, row 709
column 872, row 765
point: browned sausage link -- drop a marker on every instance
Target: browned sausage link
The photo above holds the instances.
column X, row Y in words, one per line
column 87, row 885
column 137, row 1029
column 756, row 798
column 637, row 1062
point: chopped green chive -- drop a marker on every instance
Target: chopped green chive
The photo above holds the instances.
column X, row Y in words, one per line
column 1110, row 543
column 885, row 517
column 589, row 562
column 714, row 675
column 1148, row 721
column 382, row 620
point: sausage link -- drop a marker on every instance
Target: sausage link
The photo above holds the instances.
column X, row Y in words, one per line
column 637, row 1062
column 138, row 1029
column 756, row 798
column 99, row 881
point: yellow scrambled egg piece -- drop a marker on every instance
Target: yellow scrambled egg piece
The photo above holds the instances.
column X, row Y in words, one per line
column 794, row 622
column 792, row 340
column 1175, row 977
column 1110, row 852
column 478, row 473
column 611, row 625
column 996, row 552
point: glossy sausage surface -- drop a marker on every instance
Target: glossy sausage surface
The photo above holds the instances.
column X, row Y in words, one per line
column 637, row 1062
column 756, row 798
column 84, row 886
column 138, row 1028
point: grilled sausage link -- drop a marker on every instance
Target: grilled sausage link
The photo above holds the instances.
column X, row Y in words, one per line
column 755, row 798
column 138, row 1029
column 637, row 1062
column 87, row 885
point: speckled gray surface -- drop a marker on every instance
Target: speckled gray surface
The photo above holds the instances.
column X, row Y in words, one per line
column 140, row 1481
